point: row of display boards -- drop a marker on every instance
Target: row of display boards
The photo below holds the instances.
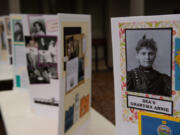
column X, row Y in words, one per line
column 51, row 59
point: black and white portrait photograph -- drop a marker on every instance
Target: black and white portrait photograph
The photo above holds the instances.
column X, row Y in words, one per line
column 149, row 61
column 42, row 43
column 37, row 26
column 37, row 74
column 47, row 49
column 47, row 54
column 18, row 31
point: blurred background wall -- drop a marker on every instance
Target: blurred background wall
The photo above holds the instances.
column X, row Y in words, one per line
column 101, row 11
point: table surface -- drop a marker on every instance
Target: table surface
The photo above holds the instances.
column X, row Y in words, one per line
column 20, row 120
column 6, row 72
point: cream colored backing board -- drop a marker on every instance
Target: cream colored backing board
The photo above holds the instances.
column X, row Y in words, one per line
column 4, row 41
column 75, row 73
column 36, row 59
column 130, row 102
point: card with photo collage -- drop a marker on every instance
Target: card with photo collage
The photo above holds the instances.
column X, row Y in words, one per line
column 75, row 70
column 144, row 68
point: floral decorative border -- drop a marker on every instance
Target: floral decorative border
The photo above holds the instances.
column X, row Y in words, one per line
column 131, row 115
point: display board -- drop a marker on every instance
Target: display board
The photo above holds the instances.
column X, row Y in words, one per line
column 5, row 41
column 35, row 40
column 75, row 71
column 146, row 74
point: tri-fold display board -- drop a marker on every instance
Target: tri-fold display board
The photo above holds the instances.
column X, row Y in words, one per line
column 75, row 73
column 52, row 58
column 146, row 74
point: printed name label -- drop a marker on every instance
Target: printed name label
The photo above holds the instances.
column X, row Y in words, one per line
column 150, row 104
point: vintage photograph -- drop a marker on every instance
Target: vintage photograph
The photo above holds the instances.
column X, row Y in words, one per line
column 69, row 31
column 73, row 46
column 72, row 74
column 2, row 36
column 47, row 49
column 71, row 51
column 81, row 69
column 18, row 31
column 149, row 61
column 8, row 25
column 47, row 54
column 37, row 25
column 10, row 46
column 37, row 74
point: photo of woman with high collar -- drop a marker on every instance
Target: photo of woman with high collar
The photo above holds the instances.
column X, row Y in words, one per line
column 18, row 32
column 150, row 70
column 38, row 28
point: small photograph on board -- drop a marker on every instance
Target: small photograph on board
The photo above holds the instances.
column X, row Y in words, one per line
column 81, row 69
column 69, row 31
column 84, row 105
column 8, row 25
column 148, row 61
column 37, row 74
column 69, row 118
column 48, row 43
column 76, row 107
column 70, row 50
column 2, row 36
column 10, row 46
column 18, row 31
column 42, row 43
column 37, row 25
column 72, row 74
column 73, row 46
column 47, row 54
column 45, row 59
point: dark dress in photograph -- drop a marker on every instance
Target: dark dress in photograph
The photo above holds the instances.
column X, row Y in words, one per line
column 148, row 80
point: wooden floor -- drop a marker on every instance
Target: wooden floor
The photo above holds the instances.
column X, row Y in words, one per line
column 103, row 94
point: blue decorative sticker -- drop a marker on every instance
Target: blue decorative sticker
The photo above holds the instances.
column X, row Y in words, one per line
column 18, row 81
column 153, row 124
column 69, row 117
column 177, row 64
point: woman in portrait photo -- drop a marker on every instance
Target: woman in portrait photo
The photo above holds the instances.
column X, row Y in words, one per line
column 38, row 28
column 52, row 50
column 145, row 78
column 18, row 32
